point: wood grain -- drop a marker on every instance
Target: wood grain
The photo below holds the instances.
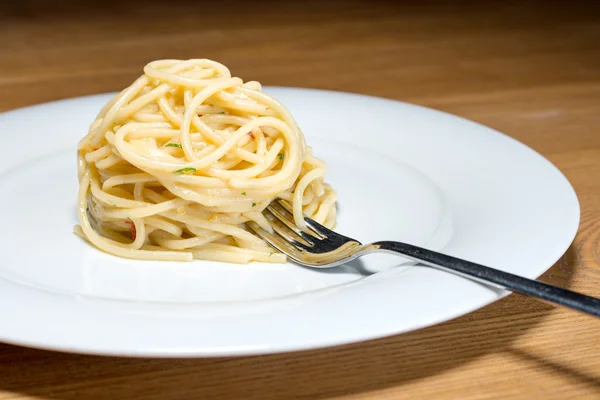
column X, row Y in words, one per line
column 530, row 69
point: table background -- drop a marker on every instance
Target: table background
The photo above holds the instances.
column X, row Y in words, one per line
column 529, row 69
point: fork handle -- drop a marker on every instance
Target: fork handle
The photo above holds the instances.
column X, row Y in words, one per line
column 497, row 278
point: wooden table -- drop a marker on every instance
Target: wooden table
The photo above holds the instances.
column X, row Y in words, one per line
column 531, row 70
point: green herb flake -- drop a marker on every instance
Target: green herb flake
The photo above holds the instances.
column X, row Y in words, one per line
column 188, row 170
column 253, row 204
column 280, row 156
column 128, row 219
column 243, row 193
column 173, row 145
column 270, row 254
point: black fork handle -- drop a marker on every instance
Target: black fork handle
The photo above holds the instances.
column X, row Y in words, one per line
column 497, row 278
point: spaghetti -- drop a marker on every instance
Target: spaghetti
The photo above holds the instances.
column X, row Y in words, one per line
column 176, row 164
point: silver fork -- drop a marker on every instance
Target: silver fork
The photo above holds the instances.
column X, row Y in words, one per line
column 320, row 247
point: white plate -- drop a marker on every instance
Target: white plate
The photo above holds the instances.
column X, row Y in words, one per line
column 402, row 172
